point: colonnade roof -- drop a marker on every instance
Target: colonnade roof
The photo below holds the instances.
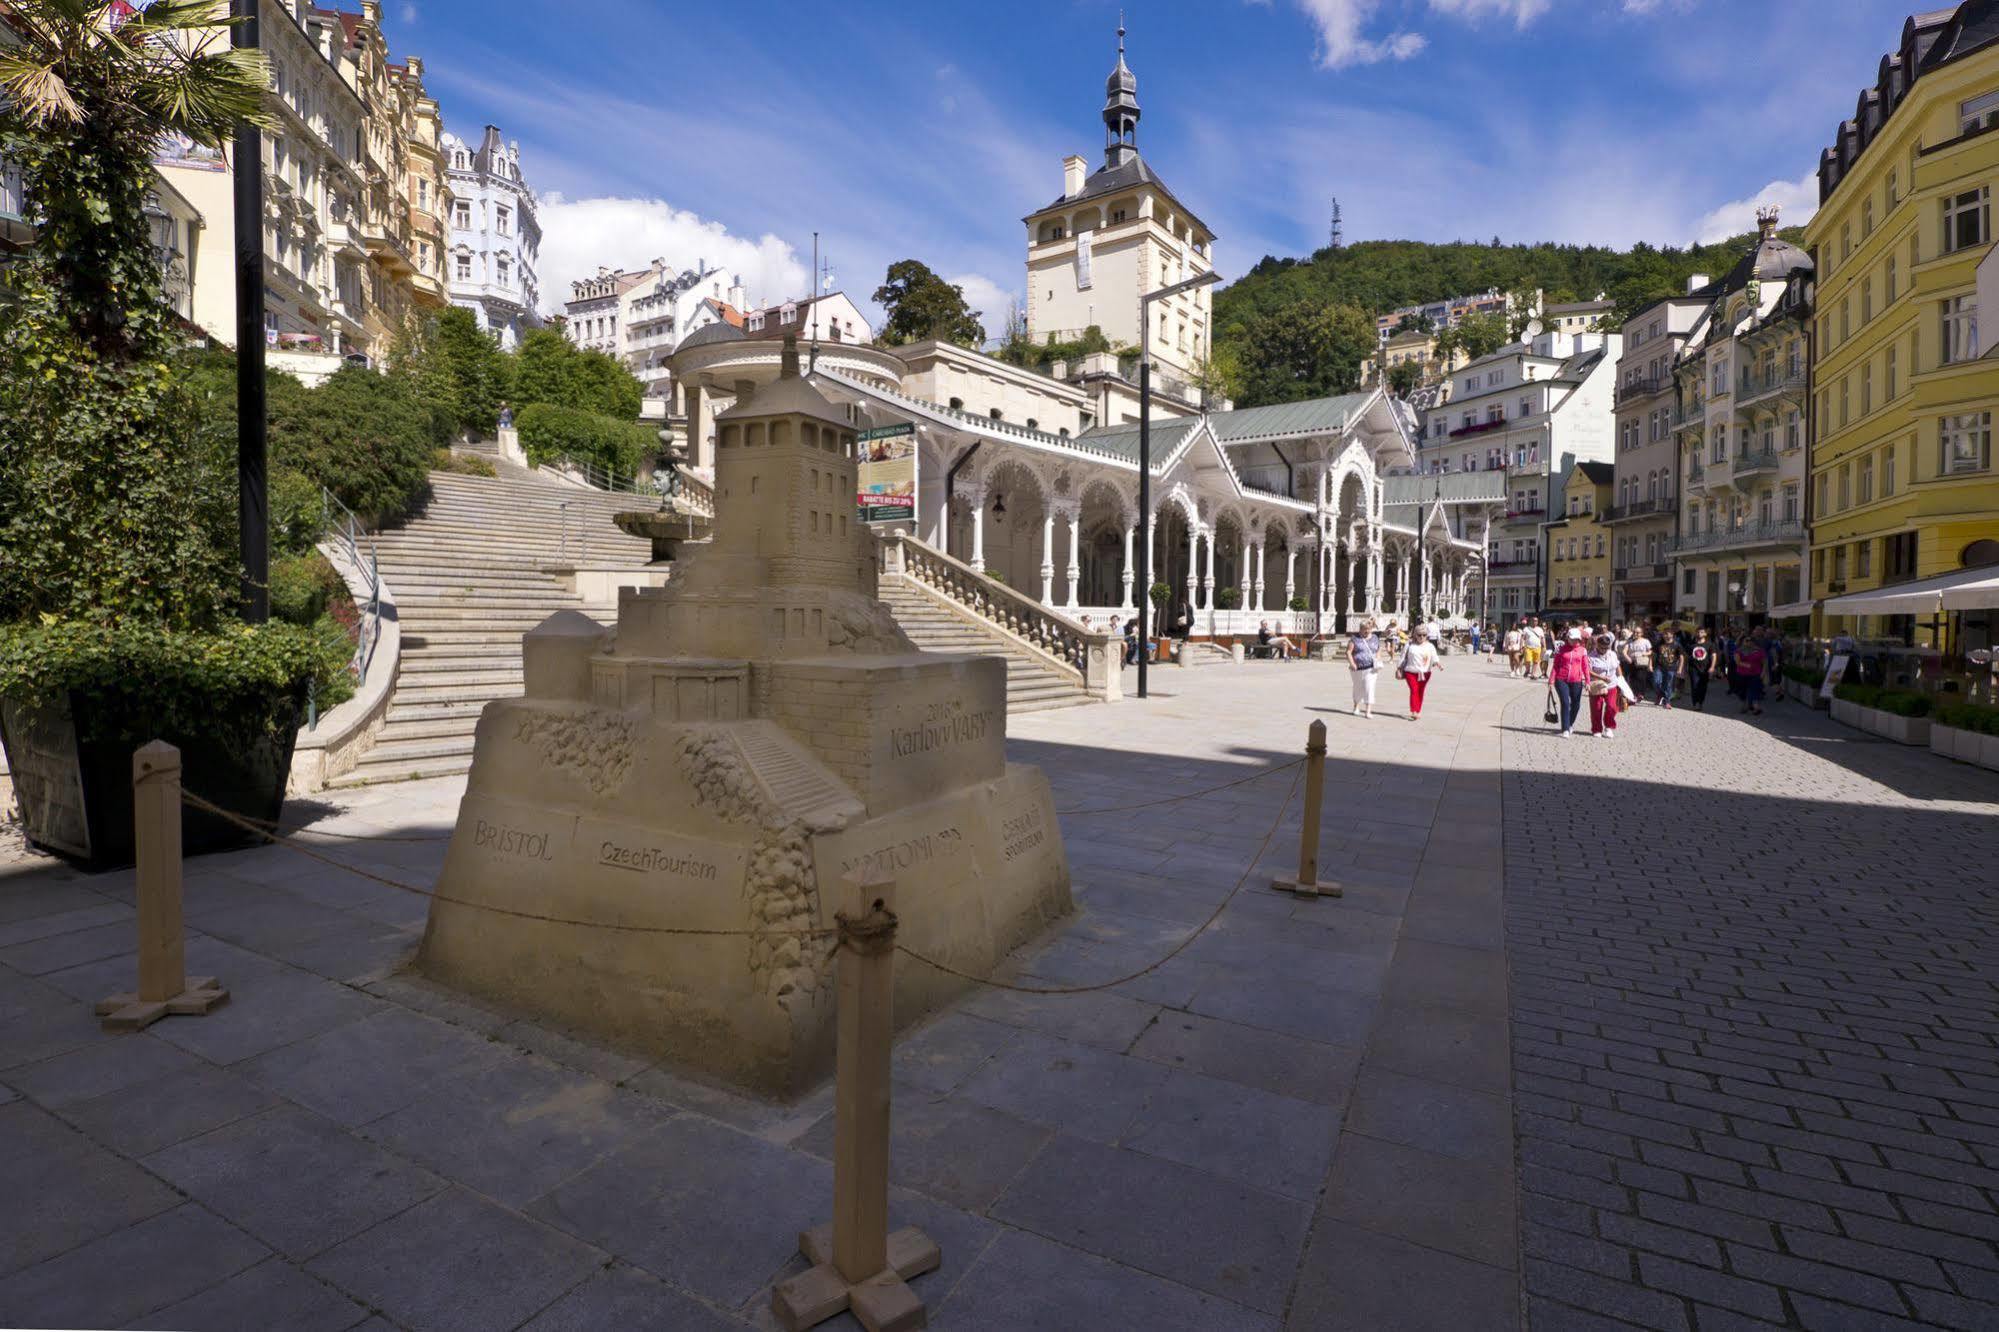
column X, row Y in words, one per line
column 1487, row 487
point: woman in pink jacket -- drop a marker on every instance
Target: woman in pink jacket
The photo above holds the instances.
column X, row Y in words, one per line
column 1567, row 677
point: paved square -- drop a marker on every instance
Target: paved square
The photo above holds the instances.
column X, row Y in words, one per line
column 1687, row 1030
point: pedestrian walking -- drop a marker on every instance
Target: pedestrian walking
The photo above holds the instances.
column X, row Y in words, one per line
column 1419, row 659
column 1363, row 666
column 1700, row 669
column 1530, row 648
column 1667, row 661
column 1567, row 674
column 1477, row 639
column 1749, row 673
column 1638, row 655
column 1605, row 671
column 1511, row 643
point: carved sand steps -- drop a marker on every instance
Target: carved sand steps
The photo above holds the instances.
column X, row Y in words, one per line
column 471, row 575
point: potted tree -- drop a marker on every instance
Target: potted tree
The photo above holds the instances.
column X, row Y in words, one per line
column 1162, row 599
column 119, row 564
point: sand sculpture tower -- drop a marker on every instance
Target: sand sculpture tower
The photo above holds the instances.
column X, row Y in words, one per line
column 750, row 733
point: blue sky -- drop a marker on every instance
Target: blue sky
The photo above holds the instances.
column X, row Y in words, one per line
column 732, row 131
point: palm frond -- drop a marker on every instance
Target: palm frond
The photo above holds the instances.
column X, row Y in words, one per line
column 35, row 90
column 205, row 97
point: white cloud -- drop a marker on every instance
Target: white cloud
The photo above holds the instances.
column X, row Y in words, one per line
column 407, row 13
column 988, row 297
column 1341, row 42
column 1522, row 12
column 1798, row 200
column 578, row 235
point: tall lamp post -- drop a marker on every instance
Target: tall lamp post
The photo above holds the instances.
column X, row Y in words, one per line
column 1206, row 279
column 253, row 510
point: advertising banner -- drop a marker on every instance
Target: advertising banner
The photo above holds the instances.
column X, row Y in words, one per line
column 887, row 474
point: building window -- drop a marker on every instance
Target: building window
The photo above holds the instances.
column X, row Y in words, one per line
column 464, row 273
column 1845, row 486
column 503, row 220
column 1867, row 480
column 1790, row 501
column 1960, row 329
column 1888, row 472
column 1891, row 372
column 1980, row 113
column 504, row 272
column 1966, row 443
column 1825, row 491
column 1863, row 559
column 461, row 214
column 1839, row 564
column 1891, row 279
column 1866, row 387
column 1966, row 219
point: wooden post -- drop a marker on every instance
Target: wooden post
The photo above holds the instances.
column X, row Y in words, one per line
column 856, row 1263
column 1307, row 883
column 164, row 986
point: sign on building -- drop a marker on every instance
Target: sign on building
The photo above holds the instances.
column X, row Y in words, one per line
column 887, row 474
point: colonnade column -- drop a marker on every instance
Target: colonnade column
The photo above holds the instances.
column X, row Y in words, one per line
column 1193, row 564
column 1208, row 572
column 1262, row 558
column 1130, row 570
column 1290, row 574
column 1074, row 518
column 1047, row 557
column 1374, row 576
column 978, row 499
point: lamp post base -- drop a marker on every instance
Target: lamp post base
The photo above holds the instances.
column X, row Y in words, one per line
column 882, row 1303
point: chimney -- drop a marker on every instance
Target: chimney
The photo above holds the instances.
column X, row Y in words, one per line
column 1766, row 222
column 1695, row 281
column 1072, row 176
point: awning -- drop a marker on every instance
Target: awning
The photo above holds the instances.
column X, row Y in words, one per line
column 1793, row 610
column 1966, row 589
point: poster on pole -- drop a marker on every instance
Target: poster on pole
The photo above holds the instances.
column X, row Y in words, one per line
column 1835, row 672
column 887, row 474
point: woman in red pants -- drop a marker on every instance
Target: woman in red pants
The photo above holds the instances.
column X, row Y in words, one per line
column 1418, row 660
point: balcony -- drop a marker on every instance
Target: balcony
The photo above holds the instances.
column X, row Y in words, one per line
column 1526, row 515
column 1511, row 565
column 1749, row 463
column 1781, row 384
column 344, row 239
column 1644, row 508
column 1641, row 388
column 1741, row 538
column 389, row 241
column 1690, row 418
column 1480, row 428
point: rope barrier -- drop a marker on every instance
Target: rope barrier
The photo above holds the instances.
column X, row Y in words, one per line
column 229, row 816
column 275, row 826
column 1148, row 969
column 1188, row 795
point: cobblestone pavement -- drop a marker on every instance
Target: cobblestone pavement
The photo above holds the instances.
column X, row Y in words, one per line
column 1755, row 994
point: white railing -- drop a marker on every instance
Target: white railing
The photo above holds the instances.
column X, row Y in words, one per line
column 350, row 536
column 1087, row 653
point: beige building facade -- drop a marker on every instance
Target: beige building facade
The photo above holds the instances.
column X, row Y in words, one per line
column 1643, row 510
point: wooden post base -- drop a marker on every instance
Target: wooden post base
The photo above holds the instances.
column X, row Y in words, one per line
column 1302, row 889
column 127, row 1012
column 882, row 1303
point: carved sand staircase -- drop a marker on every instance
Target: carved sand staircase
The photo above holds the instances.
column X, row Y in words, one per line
column 944, row 605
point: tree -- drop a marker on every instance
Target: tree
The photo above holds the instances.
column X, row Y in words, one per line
column 1305, row 350
column 1414, row 323
column 550, row 368
column 1220, row 374
column 1480, row 333
column 417, row 362
column 359, row 434
column 922, row 306
column 481, row 374
column 1404, row 378
column 108, row 509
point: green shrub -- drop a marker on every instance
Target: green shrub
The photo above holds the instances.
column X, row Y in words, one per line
column 1862, row 695
column 1299, row 603
column 465, row 464
column 548, row 431
column 1905, row 703
column 360, row 435
column 1969, row 717
column 1805, row 675
column 137, row 681
column 303, row 587
column 1228, row 598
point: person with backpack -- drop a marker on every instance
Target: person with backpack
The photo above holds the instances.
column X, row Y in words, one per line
column 1363, row 666
column 1667, row 662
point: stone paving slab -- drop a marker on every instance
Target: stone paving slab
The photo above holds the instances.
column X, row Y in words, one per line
column 1180, row 1151
column 1755, row 1075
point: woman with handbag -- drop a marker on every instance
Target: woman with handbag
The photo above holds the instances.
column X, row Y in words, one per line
column 1566, row 677
column 1418, row 660
column 1606, row 673
column 1363, row 664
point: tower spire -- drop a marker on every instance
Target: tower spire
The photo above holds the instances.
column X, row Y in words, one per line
column 1120, row 108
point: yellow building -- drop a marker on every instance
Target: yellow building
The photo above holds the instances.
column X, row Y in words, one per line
column 1904, row 393
column 1576, row 583
column 426, row 188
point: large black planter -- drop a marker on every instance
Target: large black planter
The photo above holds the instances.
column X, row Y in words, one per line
column 76, row 797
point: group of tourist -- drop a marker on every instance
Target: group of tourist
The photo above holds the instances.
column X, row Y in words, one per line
column 1617, row 666
column 1415, row 658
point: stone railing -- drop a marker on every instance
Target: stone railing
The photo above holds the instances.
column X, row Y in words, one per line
column 1092, row 657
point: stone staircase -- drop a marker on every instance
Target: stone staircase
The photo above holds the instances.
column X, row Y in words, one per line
column 469, row 575
column 1207, row 654
column 937, row 625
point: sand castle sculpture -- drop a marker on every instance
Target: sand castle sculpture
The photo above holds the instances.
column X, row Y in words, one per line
column 751, row 733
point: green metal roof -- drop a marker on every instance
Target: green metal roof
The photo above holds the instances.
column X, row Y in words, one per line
column 1314, row 416
column 1122, row 440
